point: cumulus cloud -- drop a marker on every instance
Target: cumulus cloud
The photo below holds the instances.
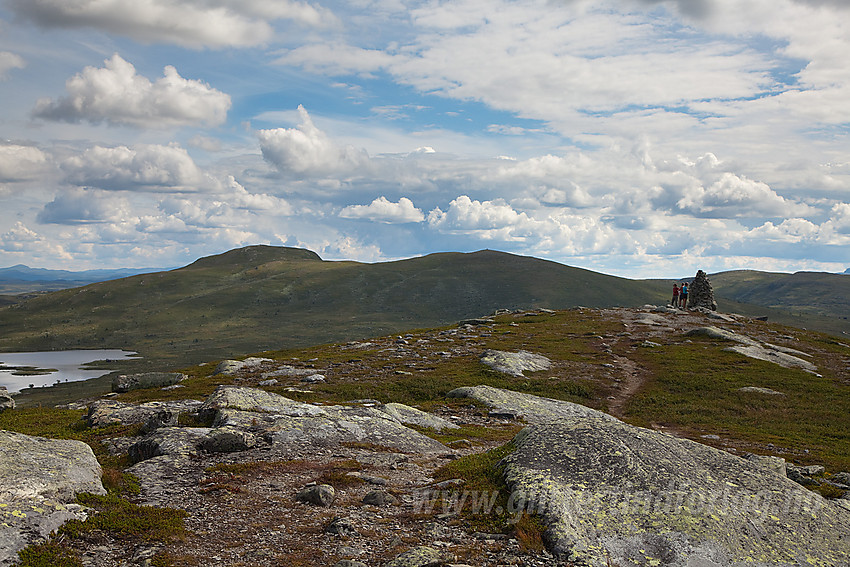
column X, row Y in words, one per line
column 20, row 163
column 465, row 214
column 189, row 23
column 147, row 167
column 385, row 211
column 82, row 206
column 117, row 95
column 9, row 61
column 306, row 150
column 734, row 196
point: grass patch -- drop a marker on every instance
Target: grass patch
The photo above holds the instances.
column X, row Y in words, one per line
column 694, row 386
column 125, row 520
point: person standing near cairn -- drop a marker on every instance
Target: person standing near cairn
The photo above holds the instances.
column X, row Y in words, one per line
column 675, row 302
column 683, row 296
column 701, row 293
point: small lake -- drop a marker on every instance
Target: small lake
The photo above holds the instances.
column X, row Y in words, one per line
column 20, row 369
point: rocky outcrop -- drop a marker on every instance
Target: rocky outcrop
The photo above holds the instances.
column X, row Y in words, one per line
column 533, row 409
column 614, row 494
column 127, row 382
column 39, row 480
column 233, row 367
column 700, row 293
column 6, row 400
column 783, row 356
column 412, row 416
column 109, row 412
column 515, row 363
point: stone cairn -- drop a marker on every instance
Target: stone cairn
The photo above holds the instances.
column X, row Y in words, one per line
column 700, row 294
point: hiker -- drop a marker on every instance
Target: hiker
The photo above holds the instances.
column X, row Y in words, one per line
column 675, row 302
column 683, row 296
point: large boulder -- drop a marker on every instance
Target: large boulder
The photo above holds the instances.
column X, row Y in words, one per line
column 412, row 416
column 110, row 412
column 39, row 480
column 532, row 409
column 615, row 494
column 515, row 363
column 254, row 400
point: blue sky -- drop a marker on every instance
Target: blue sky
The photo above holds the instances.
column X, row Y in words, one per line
column 642, row 138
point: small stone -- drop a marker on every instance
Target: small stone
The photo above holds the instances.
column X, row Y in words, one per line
column 318, row 495
column 313, row 379
column 379, row 498
column 269, row 382
column 422, row 556
column 341, row 527
column 349, row 563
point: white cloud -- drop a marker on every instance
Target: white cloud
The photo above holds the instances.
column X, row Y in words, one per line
column 19, row 163
column 9, row 61
column 83, row 206
column 189, row 23
column 733, row 196
column 146, row 167
column 309, row 151
column 116, row 94
column 385, row 211
column 465, row 214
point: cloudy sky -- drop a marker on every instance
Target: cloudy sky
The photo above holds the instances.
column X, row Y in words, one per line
column 642, row 138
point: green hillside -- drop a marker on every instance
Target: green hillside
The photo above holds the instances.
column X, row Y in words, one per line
column 264, row 297
column 814, row 299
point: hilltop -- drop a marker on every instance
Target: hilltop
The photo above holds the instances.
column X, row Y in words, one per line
column 263, row 297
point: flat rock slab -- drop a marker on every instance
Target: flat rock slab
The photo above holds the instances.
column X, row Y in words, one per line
column 614, row 494
column 783, row 356
column 515, row 363
column 127, row 382
column 255, row 400
column 532, row 409
column 412, row 416
column 39, row 480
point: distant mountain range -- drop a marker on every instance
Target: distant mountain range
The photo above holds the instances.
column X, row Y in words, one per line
column 23, row 279
column 263, row 298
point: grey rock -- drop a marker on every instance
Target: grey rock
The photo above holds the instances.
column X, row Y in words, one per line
column 533, row 409
column 751, row 348
column 716, row 333
column 768, row 462
column 515, row 363
column 608, row 491
column 759, row 390
column 287, row 370
column 318, row 495
column 313, row 379
column 269, row 382
column 108, row 412
column 700, row 293
column 39, row 479
column 412, row 416
column 182, row 441
column 233, row 367
column 341, row 527
column 254, row 400
column 842, row 477
column 379, row 498
column 127, row 382
column 228, row 440
column 6, row 400
column 421, row 556
column 349, row 563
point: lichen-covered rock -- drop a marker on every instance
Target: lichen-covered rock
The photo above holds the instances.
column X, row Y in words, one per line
column 283, row 421
column 254, row 400
column 515, row 363
column 783, row 356
column 232, row 367
column 611, row 493
column 39, row 479
column 109, row 412
column 6, row 400
column 421, row 556
column 533, row 409
column 412, row 416
column 127, row 382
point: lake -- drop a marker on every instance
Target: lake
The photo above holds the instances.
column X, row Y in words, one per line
column 69, row 366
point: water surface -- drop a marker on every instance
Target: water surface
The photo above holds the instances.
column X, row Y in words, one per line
column 53, row 366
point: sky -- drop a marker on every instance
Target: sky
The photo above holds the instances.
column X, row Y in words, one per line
column 640, row 138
